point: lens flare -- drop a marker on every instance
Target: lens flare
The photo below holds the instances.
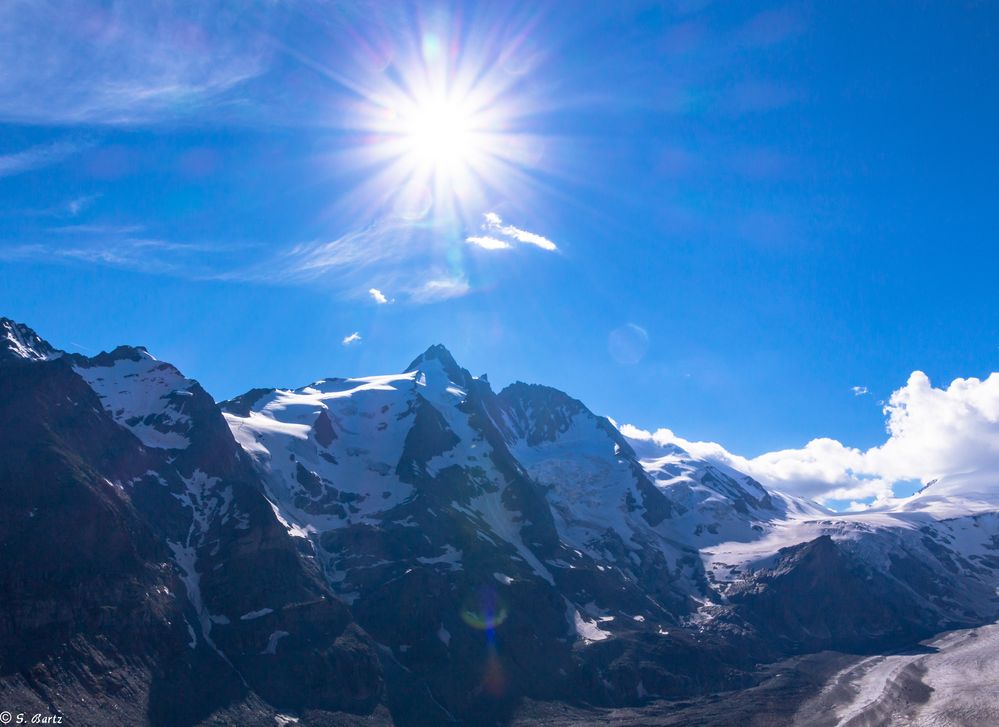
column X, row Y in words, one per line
column 441, row 120
column 484, row 611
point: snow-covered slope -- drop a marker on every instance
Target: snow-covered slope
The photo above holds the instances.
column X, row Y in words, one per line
column 715, row 502
column 343, row 452
column 145, row 395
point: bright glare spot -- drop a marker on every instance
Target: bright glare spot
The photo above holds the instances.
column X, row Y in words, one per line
column 439, row 135
column 443, row 127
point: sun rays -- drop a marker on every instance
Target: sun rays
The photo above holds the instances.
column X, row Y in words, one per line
column 442, row 114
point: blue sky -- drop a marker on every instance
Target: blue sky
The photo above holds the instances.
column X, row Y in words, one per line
column 753, row 207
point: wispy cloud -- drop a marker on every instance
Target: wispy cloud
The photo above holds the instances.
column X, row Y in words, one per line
column 145, row 255
column 78, row 204
column 859, row 390
column 495, row 230
column 36, row 157
column 415, row 259
column 79, row 62
column 382, row 243
column 410, row 258
column 97, row 229
column 351, row 339
column 440, row 289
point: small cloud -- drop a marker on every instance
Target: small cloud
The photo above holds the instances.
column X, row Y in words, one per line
column 488, row 243
column 352, row 338
column 496, row 230
column 378, row 296
column 859, row 390
column 78, row 204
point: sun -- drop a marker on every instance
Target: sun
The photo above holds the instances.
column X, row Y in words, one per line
column 443, row 123
column 439, row 136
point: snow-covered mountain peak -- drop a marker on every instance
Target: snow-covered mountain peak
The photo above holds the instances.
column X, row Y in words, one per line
column 18, row 341
column 437, row 363
column 123, row 353
column 953, row 496
column 149, row 397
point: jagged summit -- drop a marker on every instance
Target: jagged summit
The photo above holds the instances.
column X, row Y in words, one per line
column 18, row 341
column 122, row 353
column 439, row 355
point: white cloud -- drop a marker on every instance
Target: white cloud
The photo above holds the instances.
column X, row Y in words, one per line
column 352, row 338
column 495, row 230
column 859, row 390
column 36, row 157
column 488, row 243
column 932, row 432
column 378, row 296
column 530, row 238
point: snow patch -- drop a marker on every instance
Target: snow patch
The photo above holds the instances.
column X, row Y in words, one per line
column 138, row 395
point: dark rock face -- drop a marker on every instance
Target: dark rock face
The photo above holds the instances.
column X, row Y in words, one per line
column 538, row 413
column 128, row 569
column 819, row 597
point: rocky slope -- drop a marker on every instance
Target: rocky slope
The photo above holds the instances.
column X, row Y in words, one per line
column 145, row 577
column 417, row 548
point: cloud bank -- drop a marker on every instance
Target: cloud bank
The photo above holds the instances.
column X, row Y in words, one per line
column 932, row 433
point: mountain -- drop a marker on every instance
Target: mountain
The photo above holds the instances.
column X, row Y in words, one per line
column 418, row 549
column 145, row 578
